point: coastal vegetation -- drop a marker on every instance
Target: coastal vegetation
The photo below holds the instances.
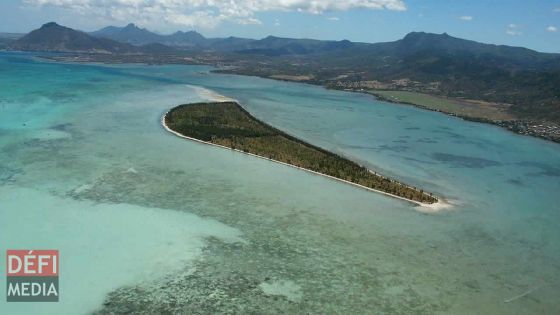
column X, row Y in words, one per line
column 228, row 124
column 512, row 87
column 459, row 107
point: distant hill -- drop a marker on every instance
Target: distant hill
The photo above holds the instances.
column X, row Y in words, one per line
column 54, row 37
column 455, row 67
column 418, row 45
column 190, row 38
column 134, row 35
column 412, row 46
column 7, row 38
column 269, row 46
column 278, row 46
column 130, row 34
column 13, row 36
column 437, row 64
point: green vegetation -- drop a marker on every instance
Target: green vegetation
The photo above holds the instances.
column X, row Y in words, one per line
column 463, row 108
column 417, row 98
column 435, row 64
column 512, row 87
column 228, row 124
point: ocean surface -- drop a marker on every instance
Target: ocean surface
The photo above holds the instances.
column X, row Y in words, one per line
column 146, row 220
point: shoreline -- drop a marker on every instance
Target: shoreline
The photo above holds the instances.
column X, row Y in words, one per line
column 441, row 204
column 508, row 125
column 518, row 127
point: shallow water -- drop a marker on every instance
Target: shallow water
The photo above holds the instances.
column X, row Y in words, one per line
column 164, row 224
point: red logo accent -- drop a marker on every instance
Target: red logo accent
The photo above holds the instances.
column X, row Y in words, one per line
column 32, row 263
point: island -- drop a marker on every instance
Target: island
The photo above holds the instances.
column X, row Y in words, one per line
column 228, row 125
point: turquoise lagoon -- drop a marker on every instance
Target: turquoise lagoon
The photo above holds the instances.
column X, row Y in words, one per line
column 146, row 220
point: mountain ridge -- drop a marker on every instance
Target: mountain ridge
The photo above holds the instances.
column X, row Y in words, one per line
column 135, row 35
column 57, row 38
column 437, row 64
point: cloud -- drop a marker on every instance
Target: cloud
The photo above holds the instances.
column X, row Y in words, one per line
column 333, row 18
column 557, row 10
column 207, row 13
column 466, row 18
column 513, row 30
column 514, row 33
column 552, row 28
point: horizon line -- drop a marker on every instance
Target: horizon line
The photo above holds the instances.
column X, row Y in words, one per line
column 297, row 38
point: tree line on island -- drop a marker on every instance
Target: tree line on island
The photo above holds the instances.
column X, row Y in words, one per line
column 228, row 124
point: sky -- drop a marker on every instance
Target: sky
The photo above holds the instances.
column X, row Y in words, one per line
column 529, row 23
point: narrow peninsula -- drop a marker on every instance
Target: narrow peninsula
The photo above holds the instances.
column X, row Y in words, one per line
column 229, row 125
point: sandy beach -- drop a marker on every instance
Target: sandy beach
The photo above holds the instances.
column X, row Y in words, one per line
column 419, row 206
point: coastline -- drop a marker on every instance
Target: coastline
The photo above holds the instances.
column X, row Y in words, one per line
column 518, row 127
column 512, row 126
column 441, row 204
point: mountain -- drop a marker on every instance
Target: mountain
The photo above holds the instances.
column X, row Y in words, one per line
column 450, row 60
column 190, row 38
column 7, row 38
column 158, row 49
column 269, row 46
column 424, row 49
column 437, row 64
column 230, row 43
column 278, row 46
column 445, row 65
column 420, row 43
column 54, row 37
column 134, row 35
column 130, row 34
column 12, row 36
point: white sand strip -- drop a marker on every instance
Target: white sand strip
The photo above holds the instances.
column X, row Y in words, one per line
column 431, row 208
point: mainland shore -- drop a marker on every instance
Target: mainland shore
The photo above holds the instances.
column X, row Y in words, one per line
column 545, row 130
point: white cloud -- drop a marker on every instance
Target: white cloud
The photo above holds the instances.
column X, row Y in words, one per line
column 513, row 30
column 552, row 28
column 514, row 33
column 207, row 13
column 466, row 18
column 333, row 18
